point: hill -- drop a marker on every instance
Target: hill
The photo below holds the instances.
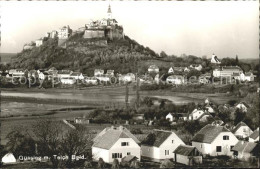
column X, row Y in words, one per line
column 85, row 55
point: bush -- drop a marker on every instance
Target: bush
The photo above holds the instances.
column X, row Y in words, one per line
column 136, row 131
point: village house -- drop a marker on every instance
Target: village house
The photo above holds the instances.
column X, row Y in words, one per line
column 242, row 130
column 81, row 120
column 245, row 150
column 175, row 79
column 196, row 67
column 98, row 72
column 91, row 80
column 227, row 71
column 115, row 143
column 17, row 72
column 67, row 80
column 103, row 78
column 195, row 114
column 209, row 109
column 146, row 79
column 110, row 73
column 53, row 34
column 242, row 106
column 33, row 73
column 238, row 76
column 214, row 140
column 205, row 117
column 77, row 75
column 254, row 137
column 129, row 77
column 43, row 75
column 64, row 73
column 8, row 158
column 153, row 69
column 171, row 70
column 249, row 76
column 160, row 145
column 214, row 59
column 170, row 117
column 188, row 155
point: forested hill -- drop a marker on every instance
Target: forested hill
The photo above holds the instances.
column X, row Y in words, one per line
column 85, row 55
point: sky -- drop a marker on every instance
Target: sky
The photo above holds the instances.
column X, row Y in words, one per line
column 226, row 28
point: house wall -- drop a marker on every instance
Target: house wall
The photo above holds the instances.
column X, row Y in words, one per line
column 225, row 144
column 196, row 115
column 204, row 148
column 170, row 117
column 133, row 148
column 182, row 159
column 150, row 151
column 252, row 140
column 100, row 153
column 243, row 131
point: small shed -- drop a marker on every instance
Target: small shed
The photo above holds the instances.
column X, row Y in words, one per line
column 188, row 155
column 9, row 158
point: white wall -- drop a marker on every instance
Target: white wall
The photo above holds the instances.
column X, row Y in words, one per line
column 100, row 153
column 182, row 159
column 243, row 131
column 204, row 148
column 133, row 148
column 150, row 151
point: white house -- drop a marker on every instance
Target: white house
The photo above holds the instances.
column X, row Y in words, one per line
column 103, row 78
column 115, row 143
column 204, row 117
column 91, row 80
column 209, row 109
column 254, row 137
column 244, row 150
column 129, row 77
column 110, row 73
column 67, row 80
column 17, row 72
column 214, row 140
column 98, row 72
column 242, row 130
column 8, row 158
column 160, row 145
column 214, row 59
column 170, row 70
column 249, row 76
column 187, row 155
column 153, row 69
column 64, row 73
column 242, row 106
column 170, row 117
column 43, row 75
column 195, row 114
column 197, row 67
column 227, row 71
column 175, row 79
column 77, row 75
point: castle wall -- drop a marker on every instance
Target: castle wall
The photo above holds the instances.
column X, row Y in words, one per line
column 88, row 34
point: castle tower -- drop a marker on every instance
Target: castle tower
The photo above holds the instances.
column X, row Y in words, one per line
column 109, row 12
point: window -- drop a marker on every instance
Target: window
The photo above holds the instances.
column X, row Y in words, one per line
column 201, row 146
column 124, row 144
column 231, row 147
column 116, row 155
column 166, row 152
column 128, row 153
column 218, row 149
column 225, row 137
column 172, row 141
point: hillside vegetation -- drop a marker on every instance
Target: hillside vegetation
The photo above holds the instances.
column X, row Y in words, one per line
column 85, row 55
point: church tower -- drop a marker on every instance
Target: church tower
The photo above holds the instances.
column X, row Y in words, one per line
column 109, row 12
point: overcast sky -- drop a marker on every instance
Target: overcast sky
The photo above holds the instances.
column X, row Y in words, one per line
column 197, row 28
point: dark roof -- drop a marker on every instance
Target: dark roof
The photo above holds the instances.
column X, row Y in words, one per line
column 245, row 146
column 129, row 158
column 240, row 124
column 157, row 137
column 208, row 133
column 184, row 150
column 255, row 134
column 109, row 136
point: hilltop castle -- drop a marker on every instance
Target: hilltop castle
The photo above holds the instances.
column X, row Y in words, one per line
column 105, row 28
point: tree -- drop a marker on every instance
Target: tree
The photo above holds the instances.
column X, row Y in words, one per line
column 76, row 142
column 167, row 164
column 237, row 62
column 115, row 164
column 163, row 54
column 239, row 116
column 48, row 134
column 20, row 142
column 101, row 163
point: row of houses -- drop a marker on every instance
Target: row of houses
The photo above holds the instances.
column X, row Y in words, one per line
column 119, row 143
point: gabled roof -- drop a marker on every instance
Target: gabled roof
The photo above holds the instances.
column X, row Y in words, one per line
column 208, row 133
column 185, row 150
column 157, row 137
column 255, row 134
column 245, row 146
column 240, row 124
column 110, row 135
